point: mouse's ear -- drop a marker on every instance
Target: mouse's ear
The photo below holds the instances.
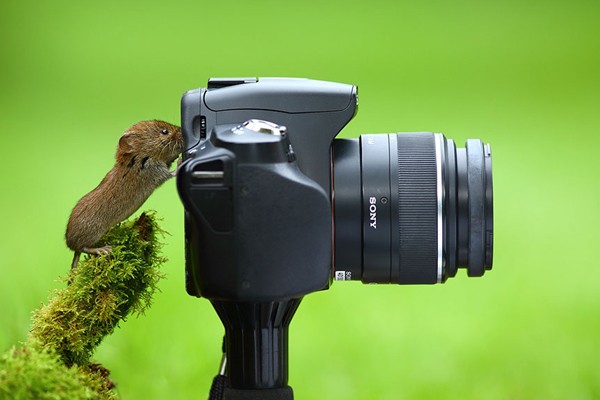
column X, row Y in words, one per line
column 126, row 144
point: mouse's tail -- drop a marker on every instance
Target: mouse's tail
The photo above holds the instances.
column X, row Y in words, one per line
column 75, row 259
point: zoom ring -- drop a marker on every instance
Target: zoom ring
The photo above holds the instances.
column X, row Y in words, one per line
column 417, row 208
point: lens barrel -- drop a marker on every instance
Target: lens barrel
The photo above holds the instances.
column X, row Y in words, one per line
column 411, row 208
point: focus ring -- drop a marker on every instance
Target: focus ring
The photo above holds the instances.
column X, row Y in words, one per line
column 417, row 208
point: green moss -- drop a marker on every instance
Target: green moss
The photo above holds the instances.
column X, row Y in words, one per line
column 38, row 373
column 101, row 292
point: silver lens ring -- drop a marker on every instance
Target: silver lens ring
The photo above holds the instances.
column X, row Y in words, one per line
column 440, row 206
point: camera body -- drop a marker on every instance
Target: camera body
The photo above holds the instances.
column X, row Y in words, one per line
column 258, row 219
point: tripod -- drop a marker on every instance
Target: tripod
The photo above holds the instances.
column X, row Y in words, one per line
column 255, row 363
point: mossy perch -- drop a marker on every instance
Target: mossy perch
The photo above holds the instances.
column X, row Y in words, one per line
column 103, row 290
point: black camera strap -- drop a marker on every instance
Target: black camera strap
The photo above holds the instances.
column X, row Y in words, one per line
column 217, row 389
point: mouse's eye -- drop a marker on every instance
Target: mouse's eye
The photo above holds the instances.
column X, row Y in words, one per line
column 164, row 131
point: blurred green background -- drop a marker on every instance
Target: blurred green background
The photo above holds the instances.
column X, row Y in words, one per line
column 524, row 76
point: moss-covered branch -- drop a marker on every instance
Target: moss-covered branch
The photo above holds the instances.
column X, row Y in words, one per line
column 54, row 362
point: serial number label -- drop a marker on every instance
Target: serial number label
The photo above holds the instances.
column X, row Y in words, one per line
column 343, row 275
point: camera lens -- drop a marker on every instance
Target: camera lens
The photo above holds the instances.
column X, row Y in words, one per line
column 411, row 208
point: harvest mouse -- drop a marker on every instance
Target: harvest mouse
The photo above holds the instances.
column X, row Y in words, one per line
column 144, row 155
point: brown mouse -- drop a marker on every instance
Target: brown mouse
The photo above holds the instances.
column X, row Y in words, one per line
column 144, row 155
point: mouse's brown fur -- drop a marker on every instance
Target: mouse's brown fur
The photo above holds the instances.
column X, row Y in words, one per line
column 144, row 155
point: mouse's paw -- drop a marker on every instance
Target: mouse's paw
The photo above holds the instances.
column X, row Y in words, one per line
column 98, row 250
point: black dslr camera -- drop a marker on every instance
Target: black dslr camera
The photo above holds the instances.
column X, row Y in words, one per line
column 276, row 208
